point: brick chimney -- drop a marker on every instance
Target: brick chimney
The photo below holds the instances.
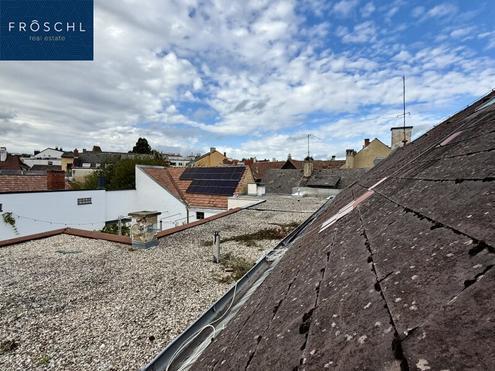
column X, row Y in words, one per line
column 366, row 143
column 55, row 180
column 400, row 136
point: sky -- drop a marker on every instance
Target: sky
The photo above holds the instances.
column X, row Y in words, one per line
column 253, row 78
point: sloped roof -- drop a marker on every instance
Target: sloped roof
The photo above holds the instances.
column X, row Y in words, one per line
column 395, row 273
column 12, row 162
column 169, row 178
column 24, row 183
column 260, row 168
column 282, row 181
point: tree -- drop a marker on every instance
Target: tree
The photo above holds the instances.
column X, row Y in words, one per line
column 120, row 174
column 142, row 146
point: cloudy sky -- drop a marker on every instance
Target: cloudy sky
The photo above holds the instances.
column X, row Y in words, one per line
column 253, row 78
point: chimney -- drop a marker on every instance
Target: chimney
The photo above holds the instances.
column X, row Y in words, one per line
column 366, row 143
column 216, row 247
column 333, row 158
column 212, row 149
column 3, row 154
column 308, row 167
column 55, row 180
column 144, row 226
column 349, row 158
column 84, row 150
column 225, row 154
column 400, row 136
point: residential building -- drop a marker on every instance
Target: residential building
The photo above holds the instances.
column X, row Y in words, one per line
column 200, row 193
column 49, row 156
column 11, row 164
column 210, row 159
column 372, row 153
column 67, row 161
column 179, row 160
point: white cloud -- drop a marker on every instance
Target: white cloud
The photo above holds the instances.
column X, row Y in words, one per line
column 345, row 7
column 442, row 10
column 368, row 9
column 184, row 75
column 361, row 33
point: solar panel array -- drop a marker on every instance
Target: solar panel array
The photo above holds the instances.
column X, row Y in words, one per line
column 213, row 173
column 218, row 181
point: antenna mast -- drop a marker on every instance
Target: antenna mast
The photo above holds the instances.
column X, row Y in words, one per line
column 308, row 144
column 404, row 107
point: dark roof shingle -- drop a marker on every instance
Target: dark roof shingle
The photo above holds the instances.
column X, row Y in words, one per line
column 401, row 280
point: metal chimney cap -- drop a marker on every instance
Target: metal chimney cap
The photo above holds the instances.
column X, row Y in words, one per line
column 144, row 213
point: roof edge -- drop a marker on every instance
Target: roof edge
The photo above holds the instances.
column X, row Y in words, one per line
column 68, row 231
column 171, row 231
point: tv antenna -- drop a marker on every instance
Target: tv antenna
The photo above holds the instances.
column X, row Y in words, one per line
column 404, row 140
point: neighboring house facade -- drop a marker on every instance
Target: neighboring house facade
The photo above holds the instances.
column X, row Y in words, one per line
column 11, row 164
column 210, row 159
column 48, row 156
column 179, row 161
column 371, row 153
column 375, row 151
column 196, row 195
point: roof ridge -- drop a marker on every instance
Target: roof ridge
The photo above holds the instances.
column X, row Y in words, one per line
column 175, row 185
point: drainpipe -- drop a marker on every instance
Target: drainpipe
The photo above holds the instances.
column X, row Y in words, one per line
column 187, row 214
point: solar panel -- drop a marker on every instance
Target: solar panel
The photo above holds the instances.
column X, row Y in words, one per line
column 213, row 173
column 213, row 187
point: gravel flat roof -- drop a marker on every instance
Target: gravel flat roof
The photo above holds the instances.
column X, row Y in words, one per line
column 73, row 303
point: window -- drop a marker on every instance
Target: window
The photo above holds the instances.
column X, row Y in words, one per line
column 1, row 208
column 200, row 215
column 50, row 162
column 84, row 201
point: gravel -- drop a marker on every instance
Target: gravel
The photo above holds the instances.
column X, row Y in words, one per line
column 73, row 303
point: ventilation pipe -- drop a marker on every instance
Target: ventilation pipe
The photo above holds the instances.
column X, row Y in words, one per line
column 216, row 247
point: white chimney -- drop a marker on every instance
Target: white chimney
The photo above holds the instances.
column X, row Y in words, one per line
column 3, row 154
column 400, row 136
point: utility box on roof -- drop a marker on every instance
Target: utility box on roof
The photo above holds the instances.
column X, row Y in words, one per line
column 144, row 226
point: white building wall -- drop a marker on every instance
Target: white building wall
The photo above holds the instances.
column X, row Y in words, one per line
column 153, row 197
column 37, row 212
column 36, row 161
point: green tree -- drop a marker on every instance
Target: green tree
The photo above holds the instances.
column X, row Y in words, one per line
column 120, row 174
column 142, row 146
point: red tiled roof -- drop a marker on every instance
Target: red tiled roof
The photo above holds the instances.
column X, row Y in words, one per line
column 12, row 162
column 169, row 178
column 24, row 183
